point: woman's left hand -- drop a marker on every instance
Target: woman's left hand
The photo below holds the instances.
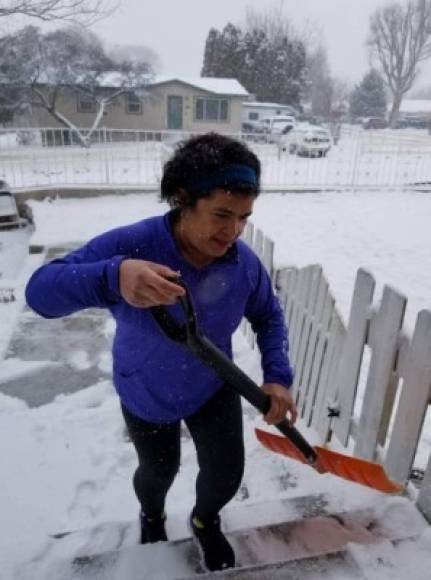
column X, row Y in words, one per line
column 281, row 403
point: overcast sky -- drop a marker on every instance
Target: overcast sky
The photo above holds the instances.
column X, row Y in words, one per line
column 177, row 29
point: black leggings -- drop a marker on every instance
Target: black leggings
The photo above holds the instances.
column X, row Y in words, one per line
column 216, row 430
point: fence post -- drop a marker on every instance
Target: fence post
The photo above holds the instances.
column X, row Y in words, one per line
column 383, row 340
column 357, row 154
column 351, row 357
column 306, row 346
column 424, row 498
column 414, row 398
column 319, row 342
column 327, row 390
column 106, row 158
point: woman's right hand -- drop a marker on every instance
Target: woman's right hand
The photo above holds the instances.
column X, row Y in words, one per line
column 144, row 284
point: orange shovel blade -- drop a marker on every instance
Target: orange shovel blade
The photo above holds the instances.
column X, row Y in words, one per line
column 351, row 468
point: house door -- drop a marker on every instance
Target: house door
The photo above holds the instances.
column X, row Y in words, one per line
column 175, row 113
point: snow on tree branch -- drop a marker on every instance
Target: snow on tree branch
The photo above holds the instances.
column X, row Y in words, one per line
column 36, row 69
column 82, row 11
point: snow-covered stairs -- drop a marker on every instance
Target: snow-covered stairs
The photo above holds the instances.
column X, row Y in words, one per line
column 296, row 539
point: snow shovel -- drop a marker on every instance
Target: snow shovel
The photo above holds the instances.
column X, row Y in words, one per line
column 293, row 444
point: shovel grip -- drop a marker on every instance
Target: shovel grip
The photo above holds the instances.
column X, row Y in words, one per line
column 298, row 440
column 188, row 333
column 213, row 357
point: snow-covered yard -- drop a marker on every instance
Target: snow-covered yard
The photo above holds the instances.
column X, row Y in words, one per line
column 67, row 465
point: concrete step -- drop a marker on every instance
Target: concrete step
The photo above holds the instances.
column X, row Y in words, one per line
column 310, row 545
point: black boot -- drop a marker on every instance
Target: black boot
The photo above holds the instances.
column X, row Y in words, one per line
column 216, row 551
column 153, row 529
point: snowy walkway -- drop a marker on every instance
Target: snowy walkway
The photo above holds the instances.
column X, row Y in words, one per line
column 47, row 358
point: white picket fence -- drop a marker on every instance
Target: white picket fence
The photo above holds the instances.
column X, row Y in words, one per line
column 366, row 384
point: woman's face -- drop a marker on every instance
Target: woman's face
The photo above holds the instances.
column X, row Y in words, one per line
column 207, row 230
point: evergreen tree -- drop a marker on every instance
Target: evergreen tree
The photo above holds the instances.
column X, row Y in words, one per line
column 369, row 98
column 229, row 55
column 211, row 53
column 252, row 44
column 295, row 65
column 271, row 67
column 256, row 74
column 222, row 57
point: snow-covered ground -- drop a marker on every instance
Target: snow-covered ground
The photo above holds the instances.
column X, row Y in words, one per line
column 67, row 465
column 385, row 232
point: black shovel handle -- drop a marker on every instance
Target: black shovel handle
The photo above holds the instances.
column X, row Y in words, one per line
column 190, row 336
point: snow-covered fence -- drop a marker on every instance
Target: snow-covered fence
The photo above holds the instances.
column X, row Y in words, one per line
column 264, row 248
column 52, row 157
column 366, row 384
column 360, row 159
column 316, row 333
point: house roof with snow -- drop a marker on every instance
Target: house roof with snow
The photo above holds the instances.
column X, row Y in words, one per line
column 416, row 106
column 218, row 86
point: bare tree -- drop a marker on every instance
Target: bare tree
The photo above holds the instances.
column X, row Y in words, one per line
column 400, row 38
column 83, row 11
column 43, row 70
column 272, row 21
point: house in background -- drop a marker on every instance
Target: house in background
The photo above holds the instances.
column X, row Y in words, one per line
column 167, row 103
column 196, row 104
column 419, row 107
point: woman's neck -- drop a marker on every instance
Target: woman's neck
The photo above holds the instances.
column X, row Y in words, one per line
column 190, row 252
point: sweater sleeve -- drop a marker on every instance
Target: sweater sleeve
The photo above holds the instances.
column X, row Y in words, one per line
column 85, row 278
column 266, row 317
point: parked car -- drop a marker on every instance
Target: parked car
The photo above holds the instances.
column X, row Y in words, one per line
column 278, row 124
column 374, row 123
column 252, row 127
column 9, row 216
column 412, row 121
column 307, row 140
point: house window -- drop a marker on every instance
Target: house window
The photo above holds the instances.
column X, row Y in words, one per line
column 133, row 104
column 211, row 109
column 253, row 116
column 86, row 103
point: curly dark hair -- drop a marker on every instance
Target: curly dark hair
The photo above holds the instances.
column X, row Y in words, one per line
column 200, row 156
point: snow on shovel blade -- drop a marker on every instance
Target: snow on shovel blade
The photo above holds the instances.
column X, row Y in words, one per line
column 351, row 468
